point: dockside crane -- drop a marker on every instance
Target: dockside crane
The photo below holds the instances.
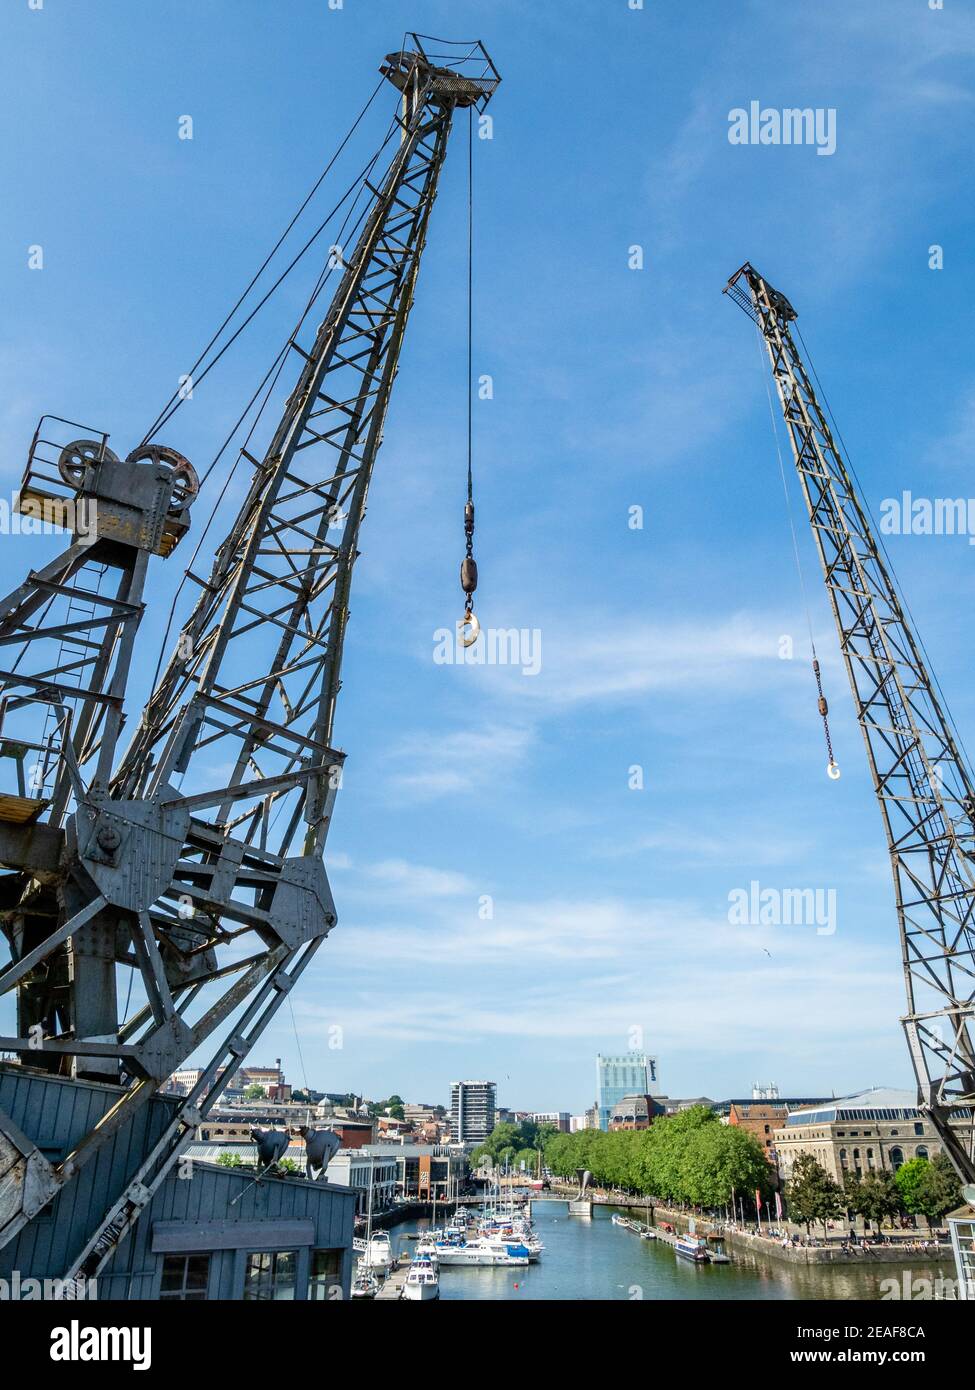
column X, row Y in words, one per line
column 923, row 785
column 196, row 858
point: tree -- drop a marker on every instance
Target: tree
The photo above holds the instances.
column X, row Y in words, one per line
column 719, row 1160
column 910, row 1179
column 928, row 1188
column 663, row 1152
column 543, row 1134
column 811, row 1193
column 560, row 1154
column 876, row 1197
column 392, row 1106
column 851, row 1192
column 254, row 1092
column 503, row 1136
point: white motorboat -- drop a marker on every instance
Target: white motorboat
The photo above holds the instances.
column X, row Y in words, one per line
column 423, row 1281
column 427, row 1247
column 378, row 1253
column 481, row 1251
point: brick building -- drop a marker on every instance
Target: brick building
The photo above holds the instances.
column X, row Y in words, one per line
column 760, row 1119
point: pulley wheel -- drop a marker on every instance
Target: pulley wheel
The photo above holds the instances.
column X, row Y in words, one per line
column 76, row 458
column 186, row 484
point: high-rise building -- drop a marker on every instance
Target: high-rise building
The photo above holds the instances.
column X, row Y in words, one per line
column 472, row 1110
column 632, row 1073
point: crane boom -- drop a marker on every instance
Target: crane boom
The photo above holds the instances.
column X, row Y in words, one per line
column 197, row 862
column 922, row 783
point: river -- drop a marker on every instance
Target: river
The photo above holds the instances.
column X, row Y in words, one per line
column 593, row 1259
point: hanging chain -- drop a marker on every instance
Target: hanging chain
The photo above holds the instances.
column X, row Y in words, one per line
column 469, row 627
column 832, row 770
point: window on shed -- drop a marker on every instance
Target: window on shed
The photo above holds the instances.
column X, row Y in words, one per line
column 325, row 1274
column 185, row 1277
column 270, row 1275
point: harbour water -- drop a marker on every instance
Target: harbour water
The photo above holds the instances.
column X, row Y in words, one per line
column 593, row 1259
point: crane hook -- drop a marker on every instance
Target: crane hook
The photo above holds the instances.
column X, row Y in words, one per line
column 468, row 582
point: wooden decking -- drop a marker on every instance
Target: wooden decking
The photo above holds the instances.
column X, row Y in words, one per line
column 393, row 1283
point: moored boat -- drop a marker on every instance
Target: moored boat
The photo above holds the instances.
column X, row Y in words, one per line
column 378, row 1252
column 365, row 1284
column 692, row 1248
column 480, row 1251
column 423, row 1281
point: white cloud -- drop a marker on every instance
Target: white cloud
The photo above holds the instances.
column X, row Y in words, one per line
column 415, row 880
column 609, row 657
column 439, row 764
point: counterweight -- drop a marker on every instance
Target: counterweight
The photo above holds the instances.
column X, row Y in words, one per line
column 921, row 780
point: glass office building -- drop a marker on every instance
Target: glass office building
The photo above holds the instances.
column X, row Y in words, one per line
column 630, row 1074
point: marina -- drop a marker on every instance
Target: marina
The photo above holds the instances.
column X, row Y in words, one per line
column 604, row 1259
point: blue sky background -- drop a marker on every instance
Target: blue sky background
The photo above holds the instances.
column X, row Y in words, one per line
column 612, row 388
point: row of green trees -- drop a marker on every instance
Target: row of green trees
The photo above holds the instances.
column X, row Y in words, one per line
column 511, row 1145
column 692, row 1158
column 921, row 1187
column 685, row 1158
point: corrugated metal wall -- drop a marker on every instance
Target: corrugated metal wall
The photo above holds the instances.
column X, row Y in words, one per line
column 56, row 1114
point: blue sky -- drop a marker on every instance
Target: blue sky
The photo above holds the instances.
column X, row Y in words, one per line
column 613, row 388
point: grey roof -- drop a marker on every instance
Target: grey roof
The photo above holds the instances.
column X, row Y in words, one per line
column 882, row 1102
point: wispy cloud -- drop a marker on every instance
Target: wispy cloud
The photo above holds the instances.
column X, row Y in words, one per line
column 615, row 658
column 431, row 765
